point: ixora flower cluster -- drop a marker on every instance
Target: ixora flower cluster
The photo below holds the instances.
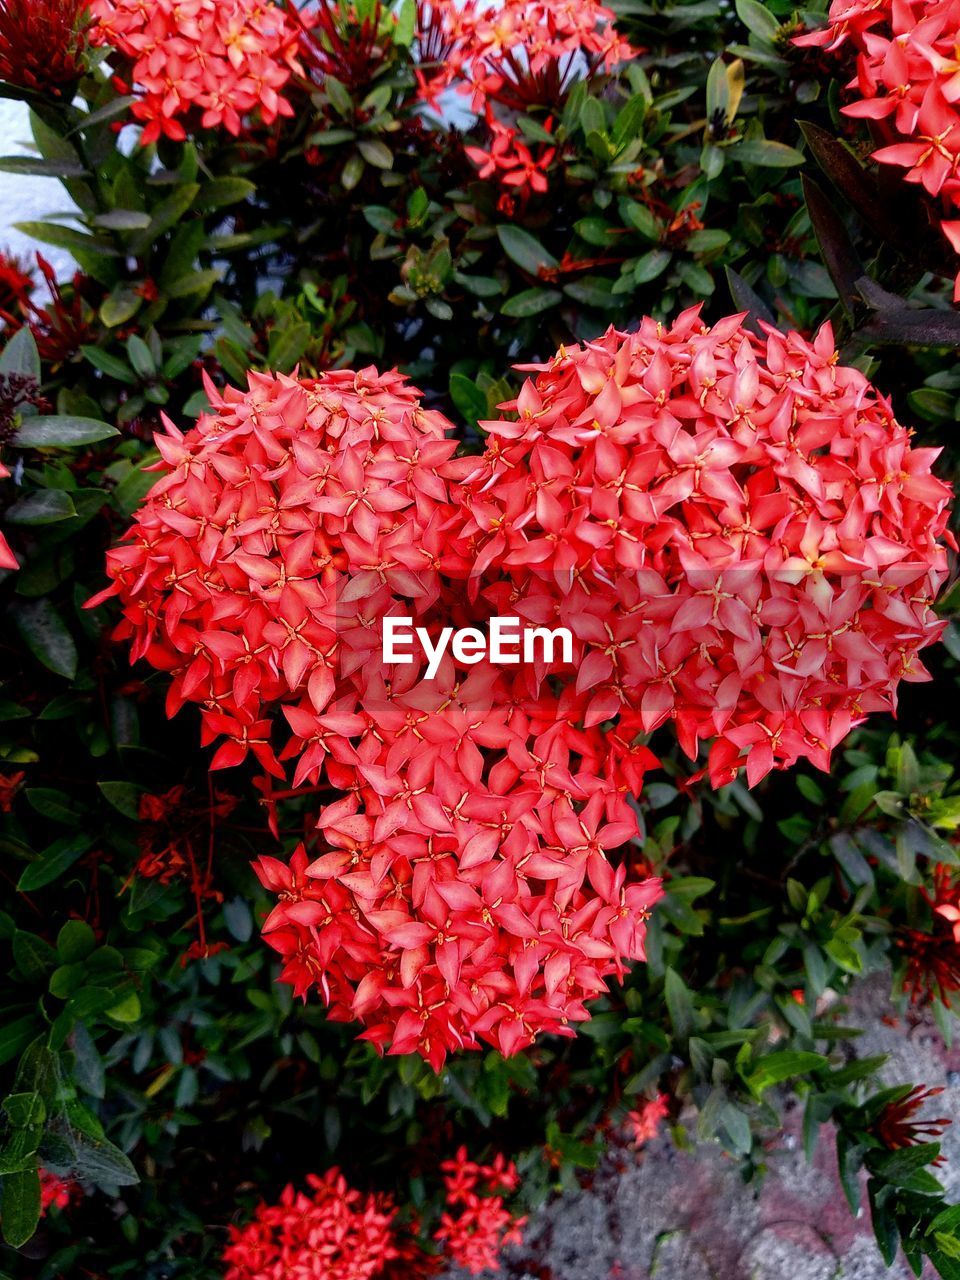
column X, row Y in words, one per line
column 514, row 57
column 737, row 534
column 212, row 60
column 335, row 1232
column 42, row 43
column 908, row 84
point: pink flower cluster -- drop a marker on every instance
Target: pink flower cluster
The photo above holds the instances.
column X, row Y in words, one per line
column 477, row 1225
column 514, row 57
column 332, row 1233
column 465, row 892
column 736, row 532
column 216, row 61
column 908, row 84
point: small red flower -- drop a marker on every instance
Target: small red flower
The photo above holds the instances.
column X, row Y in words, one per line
column 55, row 1192
column 10, row 783
column 644, row 1122
column 7, row 561
column 16, row 283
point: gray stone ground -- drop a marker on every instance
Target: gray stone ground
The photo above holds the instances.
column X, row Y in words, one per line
column 688, row 1216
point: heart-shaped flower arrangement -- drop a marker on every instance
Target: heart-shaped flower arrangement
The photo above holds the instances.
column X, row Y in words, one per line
column 735, row 531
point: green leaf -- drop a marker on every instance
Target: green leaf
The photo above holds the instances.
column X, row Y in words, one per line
column 758, row 19
column 45, row 507
column 102, row 115
column 124, row 796
column 775, row 1067
column 166, row 216
column 36, row 166
column 126, row 1010
column 15, row 1036
column 21, row 1206
column 97, row 1160
column 109, row 364
column 220, row 192
column 531, row 302
column 679, row 1004
column 122, row 220
column 20, row 355
column 745, row 299
column 62, row 429
column 119, row 306
column 525, row 250
column 287, row 347
column 65, row 238
column 766, row 153
column 651, row 265
column 75, row 941
column 54, row 862
column 35, row 958
column 470, row 401
column 376, row 153
column 479, row 286
column 239, row 919
column 141, row 357
column 46, row 636
column 352, row 171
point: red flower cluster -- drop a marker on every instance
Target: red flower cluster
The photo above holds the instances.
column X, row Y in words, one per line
column 514, row 57
column 466, row 893
column 908, row 84
column 333, row 1233
column 736, row 530
column 212, row 60
column 932, row 959
column 477, row 1223
column 7, row 559
column 511, row 161
column 62, row 324
column 336, row 1233
column 42, row 43
column 16, row 284
column 644, row 1122
column 738, row 536
column 54, row 1192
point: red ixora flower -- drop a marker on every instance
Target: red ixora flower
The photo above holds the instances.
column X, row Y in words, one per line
column 511, row 58
column 7, row 559
column 932, row 959
column 477, row 1225
column 331, row 1232
column 907, row 84
column 42, row 43
column 898, row 1125
column 55, row 1192
column 207, row 62
column 737, row 534
column 16, row 282
column 643, row 1123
